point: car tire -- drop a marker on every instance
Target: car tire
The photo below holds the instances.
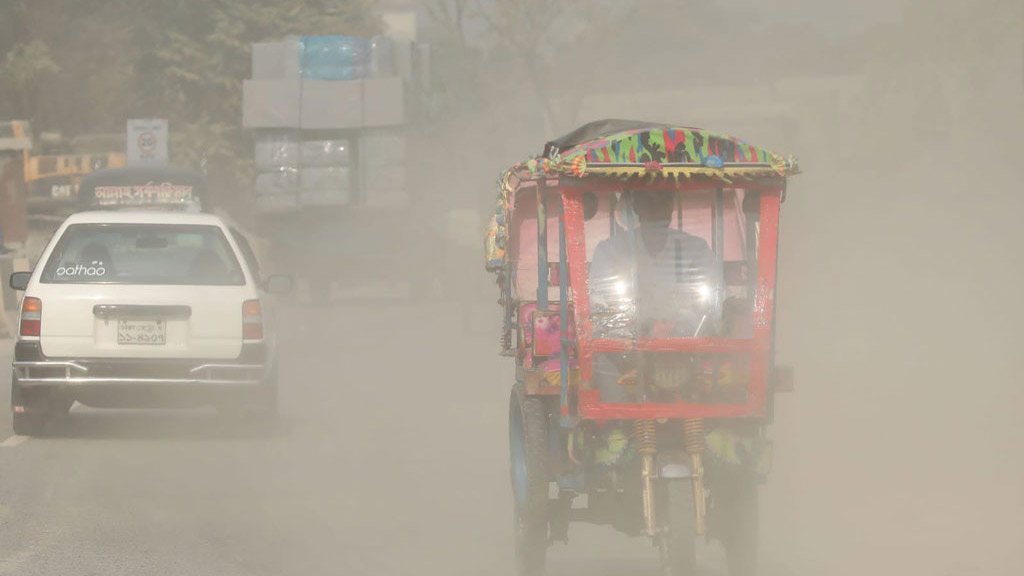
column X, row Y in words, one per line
column 267, row 402
column 259, row 409
column 61, row 407
column 29, row 424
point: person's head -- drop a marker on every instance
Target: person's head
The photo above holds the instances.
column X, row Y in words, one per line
column 95, row 253
column 653, row 207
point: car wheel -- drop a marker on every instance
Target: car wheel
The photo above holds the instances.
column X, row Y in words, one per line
column 266, row 403
column 258, row 410
column 29, row 424
column 61, row 407
column 31, row 421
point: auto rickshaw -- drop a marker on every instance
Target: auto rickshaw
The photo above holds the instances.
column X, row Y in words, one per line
column 636, row 264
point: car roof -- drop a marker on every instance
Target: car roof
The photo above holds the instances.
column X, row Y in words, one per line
column 143, row 217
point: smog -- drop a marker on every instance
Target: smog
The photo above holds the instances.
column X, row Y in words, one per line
column 900, row 449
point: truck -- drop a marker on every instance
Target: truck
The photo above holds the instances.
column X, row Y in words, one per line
column 330, row 122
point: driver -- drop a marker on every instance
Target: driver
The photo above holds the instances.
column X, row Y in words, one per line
column 660, row 276
column 651, row 281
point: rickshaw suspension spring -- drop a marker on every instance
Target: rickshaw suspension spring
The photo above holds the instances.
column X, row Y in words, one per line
column 693, row 435
column 646, row 435
column 693, row 438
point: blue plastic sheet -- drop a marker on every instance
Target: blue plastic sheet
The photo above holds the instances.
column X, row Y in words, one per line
column 334, row 57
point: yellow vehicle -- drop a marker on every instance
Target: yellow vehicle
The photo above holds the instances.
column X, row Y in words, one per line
column 53, row 179
column 39, row 190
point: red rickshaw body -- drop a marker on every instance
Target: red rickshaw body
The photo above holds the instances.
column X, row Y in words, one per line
column 725, row 192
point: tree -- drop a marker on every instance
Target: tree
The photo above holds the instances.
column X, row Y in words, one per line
column 25, row 68
column 488, row 49
column 82, row 67
column 194, row 57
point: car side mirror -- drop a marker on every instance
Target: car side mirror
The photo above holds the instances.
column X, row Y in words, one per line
column 278, row 284
column 19, row 280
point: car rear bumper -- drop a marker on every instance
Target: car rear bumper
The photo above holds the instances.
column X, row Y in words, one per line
column 50, row 373
column 32, row 369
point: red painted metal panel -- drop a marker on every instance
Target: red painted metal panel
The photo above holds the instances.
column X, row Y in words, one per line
column 572, row 204
column 764, row 298
column 759, row 347
column 693, row 345
column 591, row 408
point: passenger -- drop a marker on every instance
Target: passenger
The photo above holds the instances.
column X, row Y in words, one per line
column 208, row 267
column 97, row 254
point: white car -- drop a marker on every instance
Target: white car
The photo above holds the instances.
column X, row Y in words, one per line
column 144, row 309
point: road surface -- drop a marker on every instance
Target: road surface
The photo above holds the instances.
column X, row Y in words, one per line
column 391, row 459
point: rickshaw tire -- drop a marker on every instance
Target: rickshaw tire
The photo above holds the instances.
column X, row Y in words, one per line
column 680, row 540
column 740, row 531
column 531, row 516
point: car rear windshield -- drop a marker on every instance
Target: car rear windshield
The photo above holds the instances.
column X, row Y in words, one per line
column 143, row 254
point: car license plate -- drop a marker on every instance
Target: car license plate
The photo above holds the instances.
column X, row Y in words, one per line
column 142, row 332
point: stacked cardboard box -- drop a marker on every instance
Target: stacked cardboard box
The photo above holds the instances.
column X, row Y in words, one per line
column 277, row 162
column 325, row 178
column 295, row 85
column 293, row 174
column 309, row 100
column 383, row 166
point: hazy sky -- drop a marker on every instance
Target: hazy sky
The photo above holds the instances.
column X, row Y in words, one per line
column 833, row 16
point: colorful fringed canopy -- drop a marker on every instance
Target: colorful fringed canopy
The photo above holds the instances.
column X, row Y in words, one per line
column 625, row 149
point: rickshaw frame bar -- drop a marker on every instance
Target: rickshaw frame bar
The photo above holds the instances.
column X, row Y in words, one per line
column 759, row 347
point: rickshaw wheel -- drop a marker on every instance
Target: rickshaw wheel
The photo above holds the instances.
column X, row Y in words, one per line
column 528, row 441
column 678, row 540
column 737, row 513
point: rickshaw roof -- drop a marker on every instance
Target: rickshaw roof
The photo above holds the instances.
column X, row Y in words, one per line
column 627, row 149
column 632, row 150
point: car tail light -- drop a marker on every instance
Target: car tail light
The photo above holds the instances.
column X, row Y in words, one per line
column 252, row 320
column 31, row 317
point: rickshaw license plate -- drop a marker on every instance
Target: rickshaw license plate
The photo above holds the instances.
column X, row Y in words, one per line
column 142, row 332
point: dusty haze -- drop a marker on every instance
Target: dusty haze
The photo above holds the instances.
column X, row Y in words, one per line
column 899, row 304
column 902, row 450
